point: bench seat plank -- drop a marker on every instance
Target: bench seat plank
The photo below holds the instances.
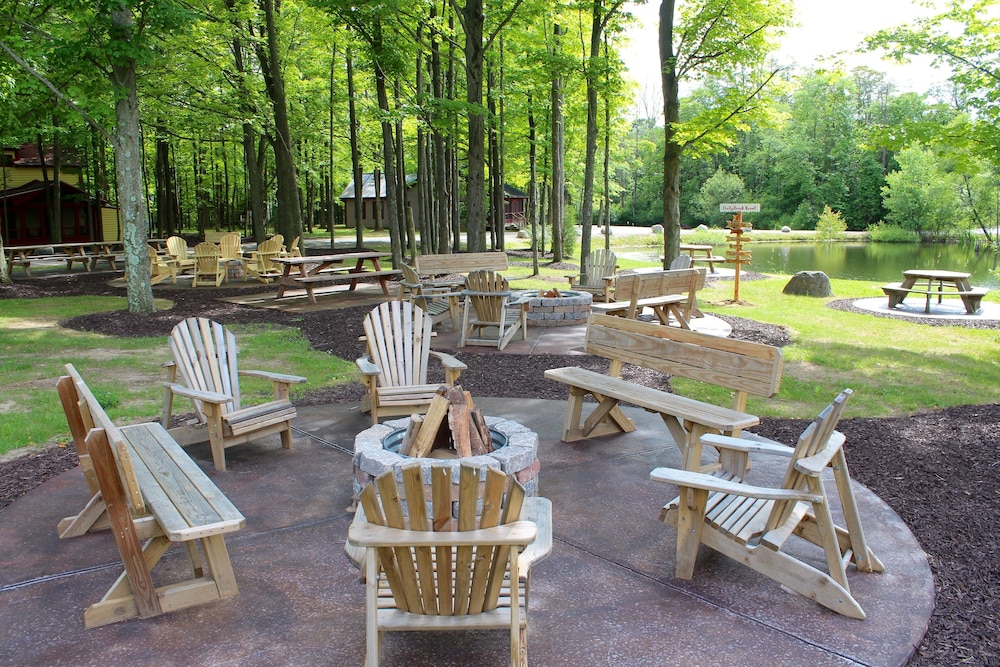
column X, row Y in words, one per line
column 182, row 498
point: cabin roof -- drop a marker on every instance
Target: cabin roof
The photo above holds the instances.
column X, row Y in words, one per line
column 368, row 186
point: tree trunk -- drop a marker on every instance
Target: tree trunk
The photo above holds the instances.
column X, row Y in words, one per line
column 359, row 235
column 475, row 179
column 557, row 197
column 533, row 188
column 128, row 170
column 289, row 215
column 672, row 148
column 389, row 156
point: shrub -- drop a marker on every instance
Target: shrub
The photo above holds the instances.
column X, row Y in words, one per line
column 831, row 225
column 883, row 232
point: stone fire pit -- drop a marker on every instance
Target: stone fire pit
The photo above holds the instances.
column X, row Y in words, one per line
column 556, row 311
column 519, row 455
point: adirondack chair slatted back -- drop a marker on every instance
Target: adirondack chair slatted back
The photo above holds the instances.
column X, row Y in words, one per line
column 293, row 248
column 260, row 263
column 815, row 438
column 599, row 264
column 177, row 247
column 230, row 247
column 398, row 336
column 205, row 354
column 489, row 307
column 444, row 580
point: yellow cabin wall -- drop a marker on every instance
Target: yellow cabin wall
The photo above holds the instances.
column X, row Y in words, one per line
column 16, row 177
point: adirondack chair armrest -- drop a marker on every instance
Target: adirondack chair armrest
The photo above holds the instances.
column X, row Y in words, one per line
column 697, row 480
column 814, row 465
column 206, row 396
column 517, row 533
column 745, row 445
column 274, row 377
column 472, row 293
column 366, row 366
column 450, row 363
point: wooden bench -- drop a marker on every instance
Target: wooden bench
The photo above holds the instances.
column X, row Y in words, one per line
column 971, row 299
column 707, row 257
column 147, row 488
column 667, row 293
column 744, row 367
column 460, row 262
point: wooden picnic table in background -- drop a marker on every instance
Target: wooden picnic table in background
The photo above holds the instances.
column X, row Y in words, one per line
column 87, row 253
column 334, row 268
column 948, row 283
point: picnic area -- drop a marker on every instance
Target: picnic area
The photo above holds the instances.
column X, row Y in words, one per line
column 563, row 626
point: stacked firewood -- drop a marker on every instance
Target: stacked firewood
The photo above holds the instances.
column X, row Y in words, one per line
column 452, row 422
column 553, row 293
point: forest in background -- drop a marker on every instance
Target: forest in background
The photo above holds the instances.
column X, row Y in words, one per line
column 251, row 110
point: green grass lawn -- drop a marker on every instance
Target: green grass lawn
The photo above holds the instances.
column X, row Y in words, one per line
column 896, row 367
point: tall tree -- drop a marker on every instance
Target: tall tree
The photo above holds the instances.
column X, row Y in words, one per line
column 725, row 39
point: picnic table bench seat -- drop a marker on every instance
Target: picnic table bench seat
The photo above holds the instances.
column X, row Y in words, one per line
column 152, row 495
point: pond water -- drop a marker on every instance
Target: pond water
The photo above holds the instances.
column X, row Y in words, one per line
column 875, row 261
column 882, row 262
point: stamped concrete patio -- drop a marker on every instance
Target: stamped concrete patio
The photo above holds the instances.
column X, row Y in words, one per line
column 605, row 596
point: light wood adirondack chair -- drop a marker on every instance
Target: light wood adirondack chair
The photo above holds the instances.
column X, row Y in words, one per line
column 430, row 571
column 161, row 268
column 230, row 247
column 260, row 266
column 599, row 268
column 205, row 353
column 177, row 247
column 208, row 264
column 293, row 249
column 439, row 303
column 398, row 340
column 751, row 524
column 491, row 317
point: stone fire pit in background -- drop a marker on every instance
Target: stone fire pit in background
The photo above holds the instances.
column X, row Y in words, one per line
column 518, row 456
column 565, row 310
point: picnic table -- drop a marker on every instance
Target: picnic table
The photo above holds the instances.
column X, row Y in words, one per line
column 938, row 283
column 307, row 272
column 702, row 253
column 87, row 253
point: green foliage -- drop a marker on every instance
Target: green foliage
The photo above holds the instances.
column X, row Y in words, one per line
column 831, row 225
column 722, row 187
column 883, row 232
column 922, row 195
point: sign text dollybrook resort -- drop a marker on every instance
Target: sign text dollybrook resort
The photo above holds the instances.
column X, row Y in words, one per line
column 736, row 254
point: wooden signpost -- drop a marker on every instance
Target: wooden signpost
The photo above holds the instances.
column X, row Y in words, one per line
column 737, row 227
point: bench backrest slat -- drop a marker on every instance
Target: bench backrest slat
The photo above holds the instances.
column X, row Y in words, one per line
column 459, row 262
column 650, row 284
column 743, row 366
column 100, row 419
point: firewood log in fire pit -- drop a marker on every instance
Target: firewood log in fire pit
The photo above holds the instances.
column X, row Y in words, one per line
column 451, row 422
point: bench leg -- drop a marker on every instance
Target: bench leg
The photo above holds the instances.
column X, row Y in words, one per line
column 606, row 419
column 219, row 565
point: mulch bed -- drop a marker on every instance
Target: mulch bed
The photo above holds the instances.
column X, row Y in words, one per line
column 937, row 470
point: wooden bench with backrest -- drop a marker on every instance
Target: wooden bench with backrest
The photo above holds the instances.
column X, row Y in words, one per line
column 146, row 488
column 440, row 303
column 460, row 263
column 744, row 367
column 666, row 293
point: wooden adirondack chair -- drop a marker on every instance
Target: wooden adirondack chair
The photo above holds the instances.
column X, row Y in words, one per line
column 751, row 524
column 398, row 339
column 435, row 572
column 260, row 266
column 161, row 268
column 230, row 247
column 599, row 269
column 439, row 303
column 491, row 317
column 208, row 264
column 293, row 249
column 205, row 352
column 177, row 247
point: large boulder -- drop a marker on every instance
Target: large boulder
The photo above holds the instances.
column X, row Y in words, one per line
column 809, row 283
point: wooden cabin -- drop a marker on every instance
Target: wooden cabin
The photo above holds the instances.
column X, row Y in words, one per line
column 368, row 201
column 515, row 207
column 24, row 202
